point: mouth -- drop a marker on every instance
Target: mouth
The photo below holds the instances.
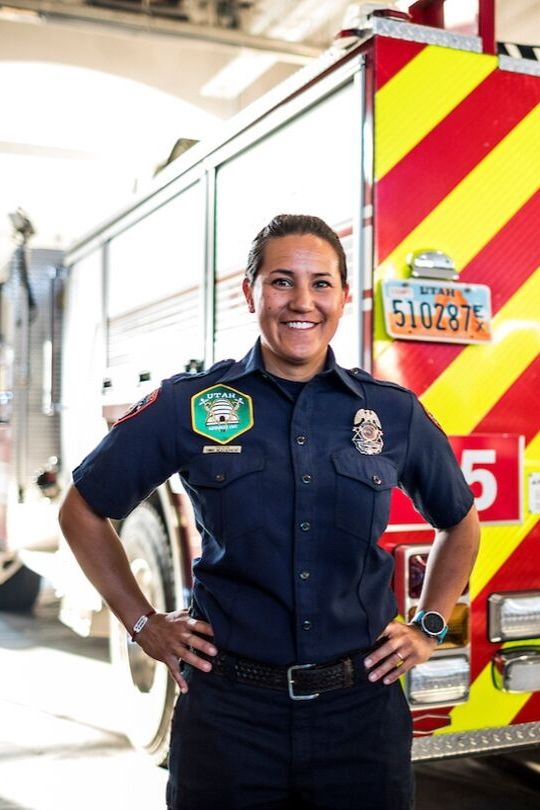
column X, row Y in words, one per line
column 301, row 325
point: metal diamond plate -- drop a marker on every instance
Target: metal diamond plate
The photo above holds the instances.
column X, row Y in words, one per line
column 528, row 66
column 423, row 33
column 523, row 735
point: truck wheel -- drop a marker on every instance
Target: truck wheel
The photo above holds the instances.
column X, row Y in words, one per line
column 145, row 687
column 20, row 591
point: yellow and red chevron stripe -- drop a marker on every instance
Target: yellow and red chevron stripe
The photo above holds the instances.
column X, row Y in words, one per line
column 457, row 169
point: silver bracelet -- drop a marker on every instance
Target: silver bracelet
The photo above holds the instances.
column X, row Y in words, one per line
column 140, row 623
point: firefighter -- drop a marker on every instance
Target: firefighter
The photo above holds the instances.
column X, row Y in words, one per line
column 288, row 661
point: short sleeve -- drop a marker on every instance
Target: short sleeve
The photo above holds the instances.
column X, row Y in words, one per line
column 137, row 455
column 431, row 475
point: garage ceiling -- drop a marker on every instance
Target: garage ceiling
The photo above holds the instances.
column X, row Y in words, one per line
column 95, row 94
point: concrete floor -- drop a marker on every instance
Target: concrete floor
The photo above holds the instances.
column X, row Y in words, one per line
column 58, row 708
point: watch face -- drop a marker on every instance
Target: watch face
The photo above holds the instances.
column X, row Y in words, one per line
column 433, row 622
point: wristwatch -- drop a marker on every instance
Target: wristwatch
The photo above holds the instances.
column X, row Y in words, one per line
column 431, row 623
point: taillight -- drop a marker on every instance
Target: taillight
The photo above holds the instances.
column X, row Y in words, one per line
column 514, row 615
column 439, row 681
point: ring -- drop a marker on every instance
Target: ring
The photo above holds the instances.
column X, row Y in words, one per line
column 401, row 660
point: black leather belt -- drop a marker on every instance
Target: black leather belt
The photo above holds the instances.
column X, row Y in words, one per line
column 302, row 681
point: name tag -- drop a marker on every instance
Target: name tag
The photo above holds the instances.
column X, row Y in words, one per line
column 227, row 448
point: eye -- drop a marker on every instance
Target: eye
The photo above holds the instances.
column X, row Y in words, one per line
column 281, row 282
column 321, row 283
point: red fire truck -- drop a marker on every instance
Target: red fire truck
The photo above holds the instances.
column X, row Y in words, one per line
column 420, row 147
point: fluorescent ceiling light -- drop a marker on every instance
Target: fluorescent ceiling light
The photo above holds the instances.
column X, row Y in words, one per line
column 238, row 74
column 246, row 68
column 19, row 15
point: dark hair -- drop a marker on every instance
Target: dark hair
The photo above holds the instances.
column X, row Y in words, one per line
column 286, row 225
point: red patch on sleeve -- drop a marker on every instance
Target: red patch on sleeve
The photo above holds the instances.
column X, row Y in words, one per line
column 140, row 406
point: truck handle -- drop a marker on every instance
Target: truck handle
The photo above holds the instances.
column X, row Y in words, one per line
column 431, row 12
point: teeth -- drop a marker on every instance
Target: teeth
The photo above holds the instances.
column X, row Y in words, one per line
column 300, row 324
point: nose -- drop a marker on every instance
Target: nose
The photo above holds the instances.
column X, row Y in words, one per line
column 302, row 299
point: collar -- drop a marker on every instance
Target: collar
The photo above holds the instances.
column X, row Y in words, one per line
column 253, row 363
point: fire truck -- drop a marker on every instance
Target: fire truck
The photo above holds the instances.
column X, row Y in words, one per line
column 420, row 147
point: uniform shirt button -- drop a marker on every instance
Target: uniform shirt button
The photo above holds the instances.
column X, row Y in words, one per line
column 305, row 575
column 220, row 476
column 307, row 478
column 306, row 625
column 305, row 526
column 376, row 479
column 301, row 440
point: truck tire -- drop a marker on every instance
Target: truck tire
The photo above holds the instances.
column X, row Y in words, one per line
column 145, row 687
column 19, row 592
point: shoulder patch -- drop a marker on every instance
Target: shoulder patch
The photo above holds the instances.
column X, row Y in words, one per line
column 143, row 403
column 221, row 413
column 430, row 416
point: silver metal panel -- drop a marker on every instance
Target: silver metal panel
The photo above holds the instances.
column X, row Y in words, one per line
column 423, row 33
column 484, row 741
column 37, row 432
column 527, row 66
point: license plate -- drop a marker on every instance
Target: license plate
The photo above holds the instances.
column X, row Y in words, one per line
column 447, row 312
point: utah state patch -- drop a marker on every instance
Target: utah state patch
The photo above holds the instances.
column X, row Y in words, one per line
column 221, row 413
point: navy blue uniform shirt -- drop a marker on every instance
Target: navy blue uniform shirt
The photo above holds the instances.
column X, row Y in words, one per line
column 291, row 494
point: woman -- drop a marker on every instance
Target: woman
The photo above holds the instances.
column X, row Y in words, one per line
column 289, row 658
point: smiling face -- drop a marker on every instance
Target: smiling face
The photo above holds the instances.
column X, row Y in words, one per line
column 298, row 297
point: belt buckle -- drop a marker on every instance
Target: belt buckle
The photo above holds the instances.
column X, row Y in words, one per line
column 290, row 682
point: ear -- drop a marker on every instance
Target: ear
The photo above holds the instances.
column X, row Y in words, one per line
column 345, row 296
column 248, row 295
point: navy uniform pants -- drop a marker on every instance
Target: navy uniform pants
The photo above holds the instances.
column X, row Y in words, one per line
column 240, row 747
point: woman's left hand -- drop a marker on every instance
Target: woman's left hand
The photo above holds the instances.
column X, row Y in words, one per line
column 402, row 648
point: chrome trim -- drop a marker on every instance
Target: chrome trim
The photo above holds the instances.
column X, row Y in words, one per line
column 505, row 659
column 432, row 264
column 209, row 280
column 483, row 741
column 358, row 232
column 527, row 66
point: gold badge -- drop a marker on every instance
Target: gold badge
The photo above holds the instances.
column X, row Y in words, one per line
column 367, row 432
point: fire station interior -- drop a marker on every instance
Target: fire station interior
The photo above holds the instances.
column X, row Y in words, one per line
column 190, row 64
column 99, row 98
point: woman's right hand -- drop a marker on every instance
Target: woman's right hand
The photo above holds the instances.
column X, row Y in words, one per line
column 174, row 637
